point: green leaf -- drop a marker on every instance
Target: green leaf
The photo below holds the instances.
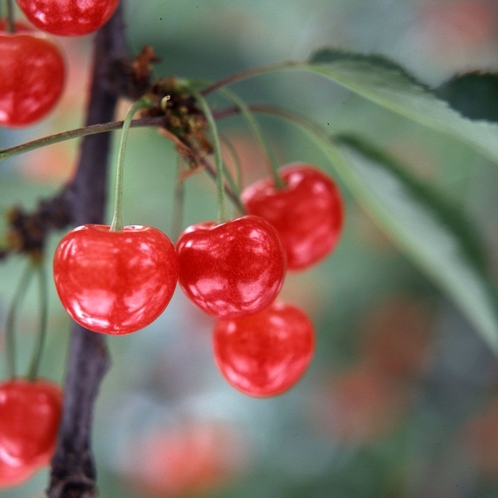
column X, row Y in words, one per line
column 389, row 85
column 474, row 95
column 433, row 234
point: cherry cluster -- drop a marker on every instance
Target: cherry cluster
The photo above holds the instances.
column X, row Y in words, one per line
column 118, row 279
column 117, row 282
column 32, row 66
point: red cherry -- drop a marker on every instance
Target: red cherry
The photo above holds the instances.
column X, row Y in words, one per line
column 32, row 77
column 232, row 269
column 267, row 353
column 68, row 17
column 307, row 213
column 11, row 475
column 30, row 413
column 115, row 282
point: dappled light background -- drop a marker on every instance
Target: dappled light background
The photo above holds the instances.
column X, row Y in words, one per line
column 401, row 399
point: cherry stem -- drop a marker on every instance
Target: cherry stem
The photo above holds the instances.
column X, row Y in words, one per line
column 10, row 17
column 314, row 131
column 237, row 182
column 249, row 73
column 76, row 133
column 117, row 218
column 42, row 333
column 10, row 322
column 218, row 160
column 256, row 130
column 179, row 202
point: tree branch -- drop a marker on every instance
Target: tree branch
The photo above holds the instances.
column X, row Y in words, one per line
column 73, row 469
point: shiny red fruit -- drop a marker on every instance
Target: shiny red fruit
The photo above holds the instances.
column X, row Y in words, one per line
column 68, row 17
column 115, row 282
column 32, row 75
column 267, row 353
column 233, row 269
column 14, row 475
column 30, row 413
column 307, row 213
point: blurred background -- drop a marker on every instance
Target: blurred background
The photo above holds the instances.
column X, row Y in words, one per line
column 401, row 400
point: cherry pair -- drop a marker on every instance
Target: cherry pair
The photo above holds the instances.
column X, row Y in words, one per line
column 30, row 413
column 237, row 268
column 118, row 282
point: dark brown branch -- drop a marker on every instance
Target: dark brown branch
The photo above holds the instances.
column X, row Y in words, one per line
column 73, row 469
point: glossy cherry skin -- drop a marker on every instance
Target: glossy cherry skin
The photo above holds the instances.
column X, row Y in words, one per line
column 267, row 353
column 115, row 282
column 307, row 213
column 14, row 475
column 232, row 269
column 30, row 413
column 32, row 74
column 68, row 17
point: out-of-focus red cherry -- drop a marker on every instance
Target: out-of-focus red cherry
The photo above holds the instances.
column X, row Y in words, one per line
column 267, row 353
column 361, row 405
column 115, row 282
column 194, row 458
column 32, row 74
column 396, row 337
column 68, row 17
column 30, row 413
column 307, row 213
column 232, row 269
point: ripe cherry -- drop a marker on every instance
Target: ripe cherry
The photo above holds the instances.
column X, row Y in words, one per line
column 115, row 282
column 267, row 353
column 32, row 77
column 68, row 18
column 307, row 213
column 232, row 269
column 14, row 475
column 30, row 413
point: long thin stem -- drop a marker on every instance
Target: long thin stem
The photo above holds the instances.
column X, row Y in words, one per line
column 42, row 333
column 10, row 322
column 179, row 202
column 256, row 129
column 117, row 218
column 218, row 160
column 10, row 17
column 314, row 131
column 76, row 133
column 290, row 116
column 237, row 181
column 249, row 73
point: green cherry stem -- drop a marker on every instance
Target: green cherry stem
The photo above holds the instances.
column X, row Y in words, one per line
column 236, row 183
column 179, row 202
column 10, row 338
column 256, row 130
column 10, row 16
column 76, row 133
column 42, row 333
column 218, row 160
column 249, row 73
column 314, row 131
column 117, row 218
